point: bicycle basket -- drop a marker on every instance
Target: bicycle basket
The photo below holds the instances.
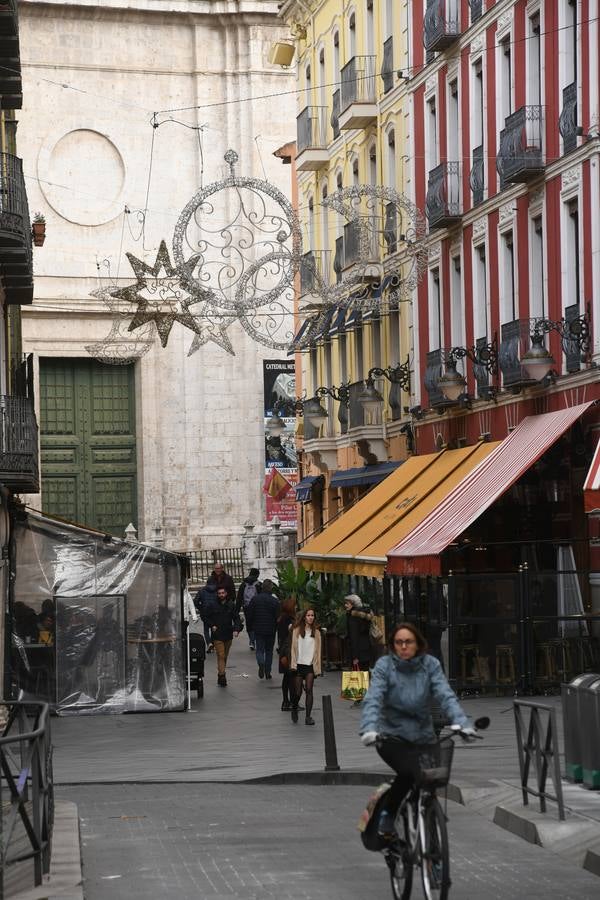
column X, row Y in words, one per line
column 435, row 762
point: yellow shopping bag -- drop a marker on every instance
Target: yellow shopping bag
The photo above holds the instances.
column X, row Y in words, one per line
column 354, row 685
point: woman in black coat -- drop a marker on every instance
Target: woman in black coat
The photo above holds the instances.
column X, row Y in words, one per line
column 358, row 623
column 284, row 649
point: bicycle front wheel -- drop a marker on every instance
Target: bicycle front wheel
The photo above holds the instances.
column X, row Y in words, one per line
column 400, row 861
column 435, row 857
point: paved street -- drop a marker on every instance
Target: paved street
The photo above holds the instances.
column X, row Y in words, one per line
column 165, row 812
column 255, row 842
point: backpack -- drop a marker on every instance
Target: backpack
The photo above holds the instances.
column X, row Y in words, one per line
column 250, row 592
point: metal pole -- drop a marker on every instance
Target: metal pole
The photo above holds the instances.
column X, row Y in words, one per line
column 331, row 760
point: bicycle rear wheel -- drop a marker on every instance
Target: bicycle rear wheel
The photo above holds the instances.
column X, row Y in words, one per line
column 435, row 857
column 399, row 860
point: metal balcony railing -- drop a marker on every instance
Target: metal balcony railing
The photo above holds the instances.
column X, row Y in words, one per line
column 19, row 455
column 441, row 26
column 335, row 114
column 521, row 155
column 16, row 258
column 387, row 67
column 312, row 128
column 356, row 412
column 314, row 269
column 567, row 123
column 433, row 372
column 358, row 81
column 390, row 228
column 514, row 343
column 443, row 195
column 363, row 235
column 477, row 176
column 26, row 795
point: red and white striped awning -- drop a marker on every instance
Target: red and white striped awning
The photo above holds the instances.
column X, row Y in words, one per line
column 591, row 488
column 419, row 552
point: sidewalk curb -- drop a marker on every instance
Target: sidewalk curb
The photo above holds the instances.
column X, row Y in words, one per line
column 65, row 879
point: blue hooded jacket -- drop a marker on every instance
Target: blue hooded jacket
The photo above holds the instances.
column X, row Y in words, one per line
column 397, row 701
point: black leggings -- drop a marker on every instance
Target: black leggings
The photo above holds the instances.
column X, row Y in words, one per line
column 404, row 760
column 309, row 680
column 287, row 686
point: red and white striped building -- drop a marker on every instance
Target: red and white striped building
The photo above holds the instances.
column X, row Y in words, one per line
column 506, row 162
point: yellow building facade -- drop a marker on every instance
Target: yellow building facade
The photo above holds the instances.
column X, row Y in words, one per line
column 352, row 131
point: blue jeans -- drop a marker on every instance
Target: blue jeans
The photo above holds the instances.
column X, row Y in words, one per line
column 264, row 650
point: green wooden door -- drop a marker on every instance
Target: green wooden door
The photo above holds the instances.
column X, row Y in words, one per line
column 87, row 428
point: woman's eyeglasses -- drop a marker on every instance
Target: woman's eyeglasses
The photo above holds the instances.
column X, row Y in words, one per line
column 402, row 643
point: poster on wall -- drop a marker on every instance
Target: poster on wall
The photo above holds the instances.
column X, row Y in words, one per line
column 281, row 461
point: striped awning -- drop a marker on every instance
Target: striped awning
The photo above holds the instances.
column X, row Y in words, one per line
column 591, row 488
column 419, row 552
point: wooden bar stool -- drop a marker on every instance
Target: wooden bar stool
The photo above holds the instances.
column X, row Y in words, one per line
column 505, row 664
column 469, row 653
column 545, row 664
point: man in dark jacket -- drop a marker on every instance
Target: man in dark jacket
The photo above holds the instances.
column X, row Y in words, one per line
column 261, row 619
column 224, row 624
column 221, row 578
column 248, row 590
column 204, row 599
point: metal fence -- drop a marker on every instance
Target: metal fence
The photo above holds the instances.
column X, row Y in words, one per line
column 26, row 796
column 537, row 743
column 202, row 562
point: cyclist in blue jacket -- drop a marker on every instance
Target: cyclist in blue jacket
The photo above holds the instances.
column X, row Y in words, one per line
column 398, row 703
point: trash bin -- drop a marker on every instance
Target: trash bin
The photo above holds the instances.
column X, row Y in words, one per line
column 590, row 734
column 572, row 719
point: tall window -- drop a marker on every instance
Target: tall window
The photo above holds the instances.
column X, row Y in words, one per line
column 355, row 178
column 336, row 59
column 435, row 310
column 376, row 342
column 394, row 328
column 572, row 254
column 352, row 36
column 571, row 39
column 534, row 62
column 324, row 230
column 453, row 121
column 308, row 86
column 431, row 136
column 391, row 160
column 456, row 303
column 389, row 18
column 480, row 294
column 370, row 29
column 343, row 350
column 508, row 311
column 537, row 300
column 311, row 224
column 477, row 120
column 322, row 79
column 505, row 78
column 358, row 354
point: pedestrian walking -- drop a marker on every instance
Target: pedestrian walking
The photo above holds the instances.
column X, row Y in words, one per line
column 358, row 624
column 261, row 619
column 224, row 624
column 285, row 623
column 204, row 599
column 247, row 591
column 220, row 578
column 305, row 661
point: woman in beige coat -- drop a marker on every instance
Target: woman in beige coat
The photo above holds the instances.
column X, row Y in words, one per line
column 305, row 661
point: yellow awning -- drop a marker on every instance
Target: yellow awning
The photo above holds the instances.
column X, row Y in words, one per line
column 357, row 542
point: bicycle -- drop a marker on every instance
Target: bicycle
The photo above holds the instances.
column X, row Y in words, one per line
column 421, row 836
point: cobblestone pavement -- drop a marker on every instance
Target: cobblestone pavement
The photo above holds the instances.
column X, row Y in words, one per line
column 274, row 842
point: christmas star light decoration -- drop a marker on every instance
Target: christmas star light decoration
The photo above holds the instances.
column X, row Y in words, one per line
column 160, row 296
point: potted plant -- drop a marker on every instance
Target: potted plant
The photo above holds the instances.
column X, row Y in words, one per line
column 38, row 230
column 296, row 582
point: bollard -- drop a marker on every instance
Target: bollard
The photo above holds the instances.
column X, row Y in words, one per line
column 331, row 760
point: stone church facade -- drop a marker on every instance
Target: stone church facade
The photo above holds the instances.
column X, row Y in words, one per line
column 173, row 443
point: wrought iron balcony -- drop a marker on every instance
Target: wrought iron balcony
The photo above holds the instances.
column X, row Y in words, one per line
column 567, row 123
column 356, row 411
column 361, row 240
column 477, row 176
column 314, row 271
column 335, row 114
column 521, row 148
column 514, row 343
column 441, row 26
column 11, row 89
column 387, row 67
column 476, row 10
column 358, row 93
column 443, row 195
column 19, row 454
column 16, row 266
column 312, row 138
